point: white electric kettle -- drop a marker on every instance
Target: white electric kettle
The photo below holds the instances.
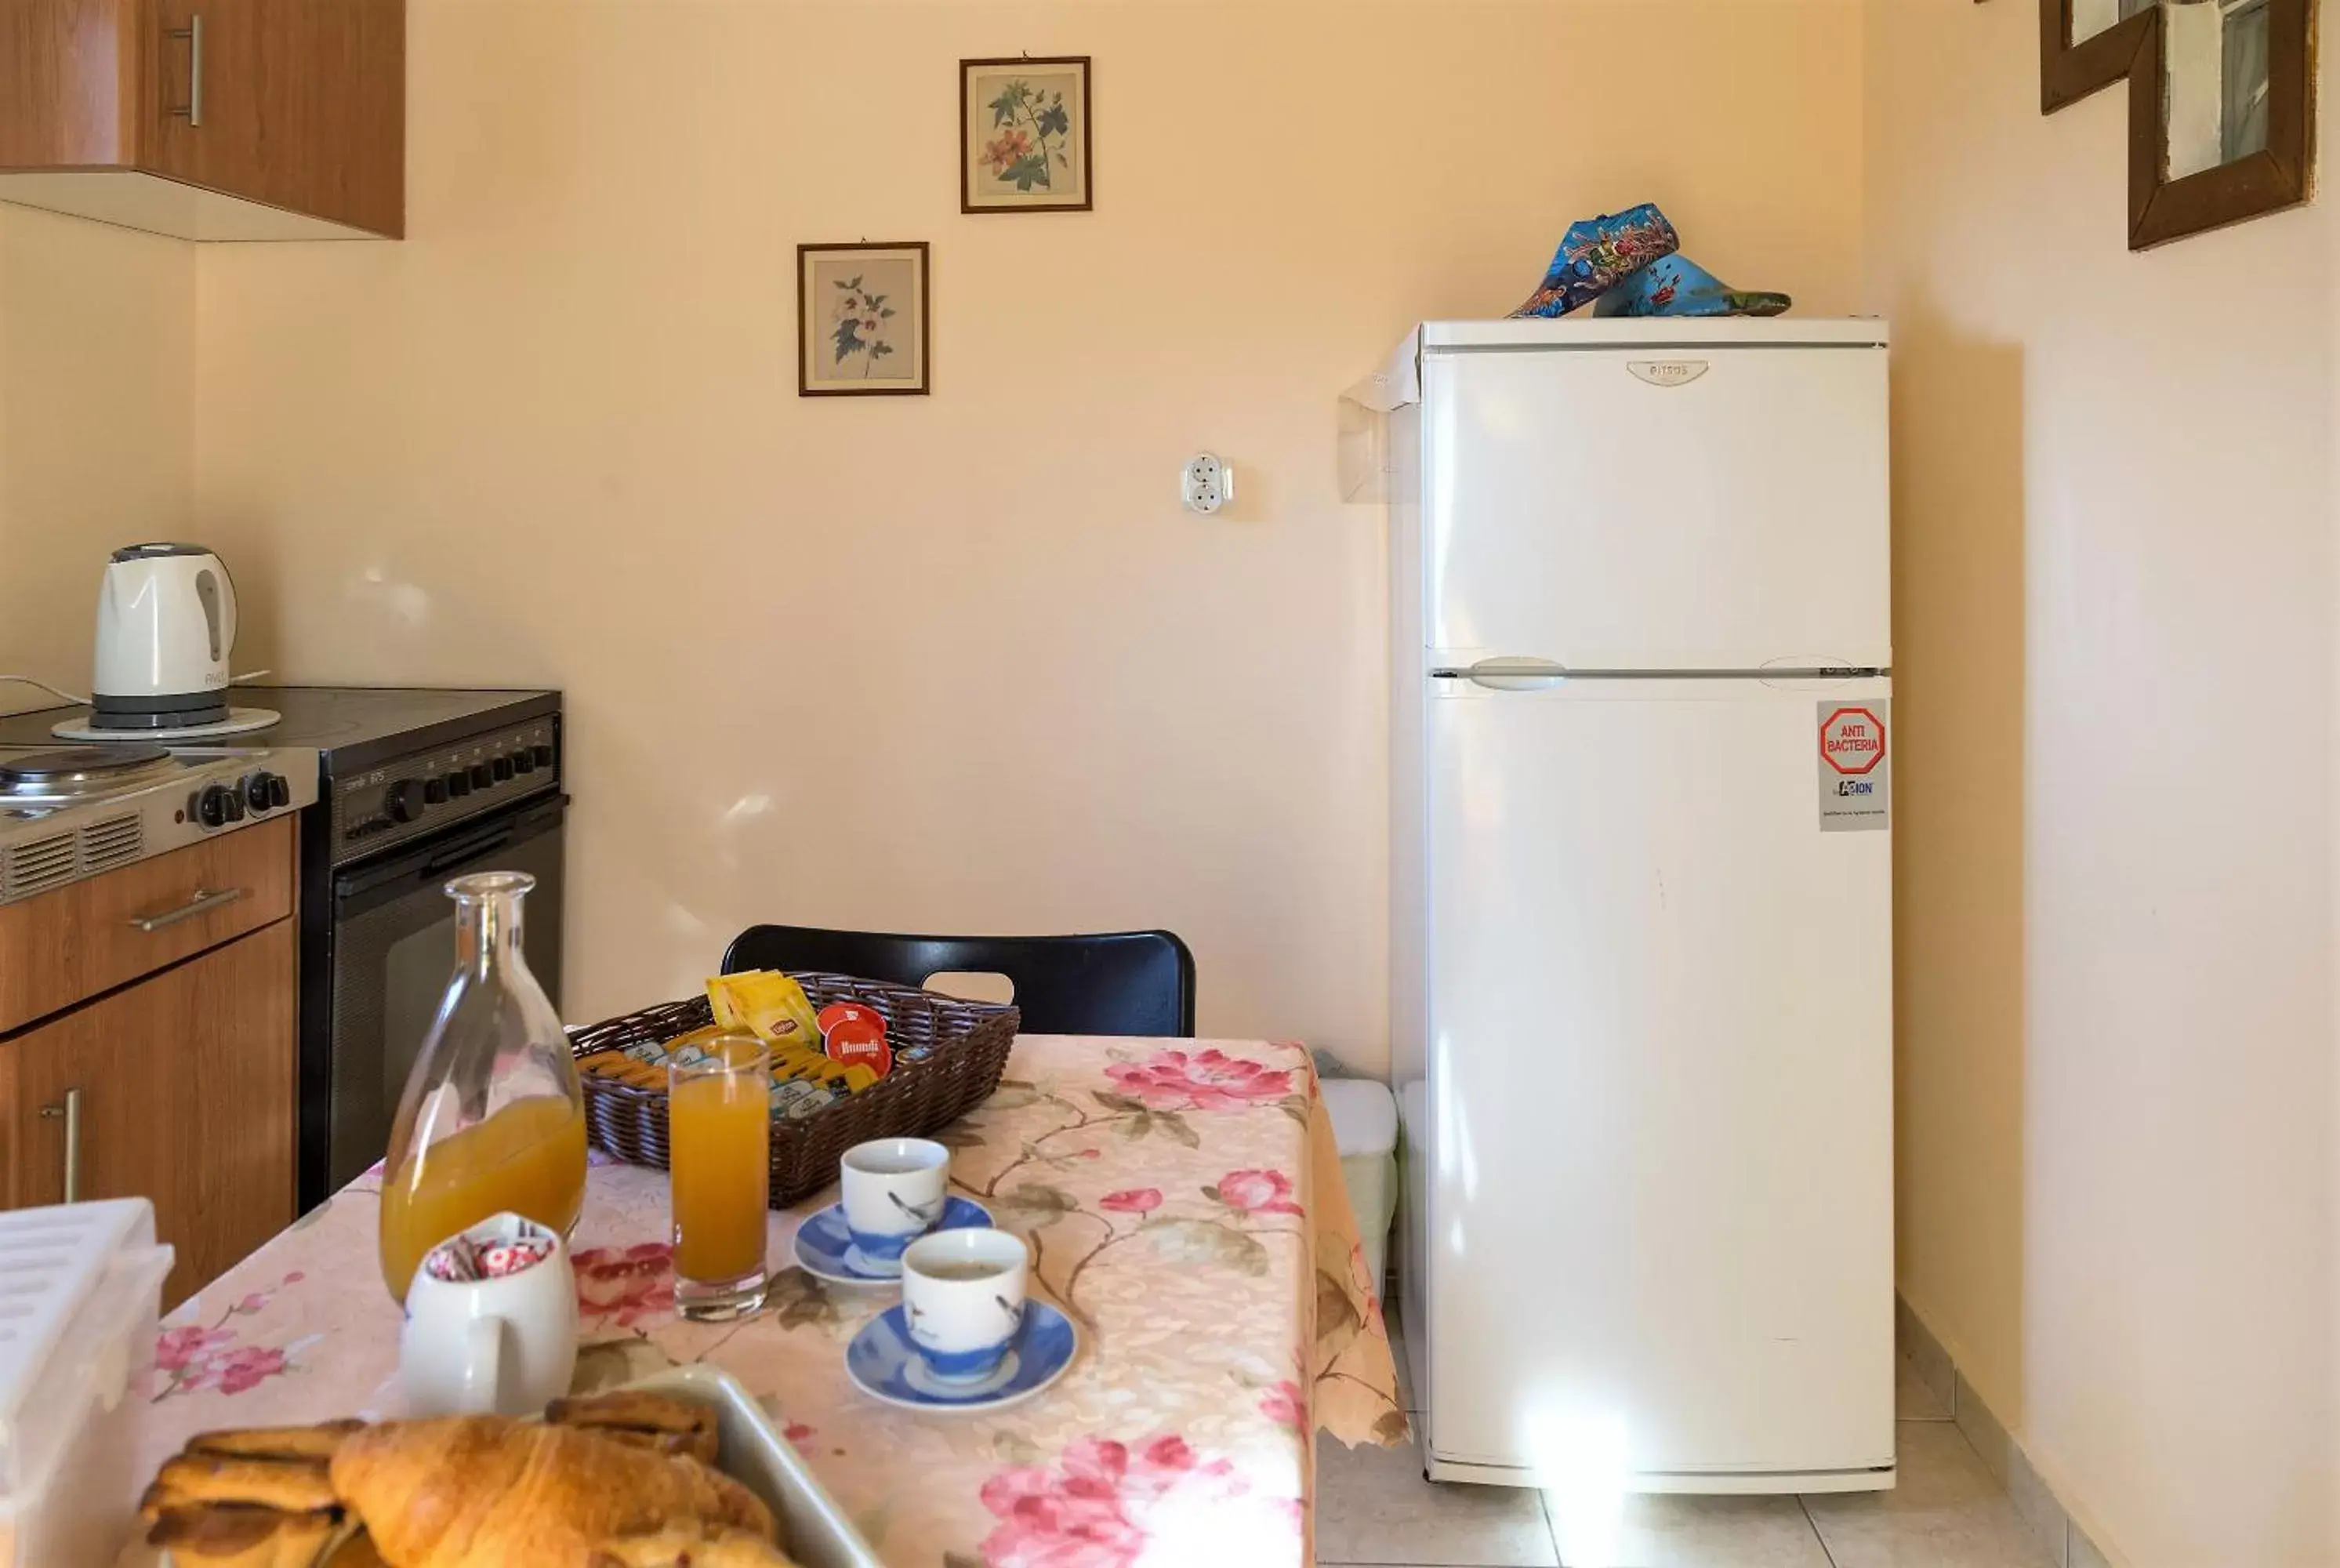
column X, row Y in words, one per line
column 165, row 628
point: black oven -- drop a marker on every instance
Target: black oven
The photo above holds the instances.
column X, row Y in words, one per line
column 393, row 951
column 424, row 788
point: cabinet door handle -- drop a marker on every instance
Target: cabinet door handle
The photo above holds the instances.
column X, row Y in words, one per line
column 203, row 903
column 70, row 1113
column 194, row 34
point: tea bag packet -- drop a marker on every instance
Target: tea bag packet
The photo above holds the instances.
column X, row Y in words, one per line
column 627, row 1067
column 766, row 1002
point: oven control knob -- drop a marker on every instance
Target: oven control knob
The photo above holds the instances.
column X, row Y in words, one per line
column 483, row 776
column 233, row 804
column 280, row 791
column 459, row 784
column 434, row 791
column 521, row 763
column 501, row 768
column 543, row 755
column 211, row 806
column 405, row 800
column 266, row 792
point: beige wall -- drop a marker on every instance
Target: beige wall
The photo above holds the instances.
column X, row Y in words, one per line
column 960, row 663
column 956, row 662
column 2114, row 588
column 97, row 335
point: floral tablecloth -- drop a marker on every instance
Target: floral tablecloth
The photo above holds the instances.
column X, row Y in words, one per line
column 1185, row 1204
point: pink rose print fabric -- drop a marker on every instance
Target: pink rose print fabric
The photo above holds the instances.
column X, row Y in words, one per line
column 1207, row 1080
column 1137, row 1200
column 1258, row 1192
column 624, row 1285
column 192, row 1358
column 1109, row 1504
column 1183, row 1204
column 1286, row 1406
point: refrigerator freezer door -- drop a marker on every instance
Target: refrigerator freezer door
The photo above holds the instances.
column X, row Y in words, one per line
column 1686, row 509
column 1659, row 1231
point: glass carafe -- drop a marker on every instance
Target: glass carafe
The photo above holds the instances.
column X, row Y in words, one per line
column 492, row 1117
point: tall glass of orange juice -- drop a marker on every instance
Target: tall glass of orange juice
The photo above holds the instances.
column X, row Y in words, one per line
column 492, row 1117
column 720, row 1155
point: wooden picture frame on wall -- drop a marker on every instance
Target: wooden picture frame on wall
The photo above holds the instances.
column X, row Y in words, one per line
column 2069, row 72
column 2161, row 207
column 1024, row 138
column 863, row 315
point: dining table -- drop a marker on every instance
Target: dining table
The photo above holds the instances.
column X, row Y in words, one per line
column 1183, row 1206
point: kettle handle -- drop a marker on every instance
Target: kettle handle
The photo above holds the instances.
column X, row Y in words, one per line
column 216, row 590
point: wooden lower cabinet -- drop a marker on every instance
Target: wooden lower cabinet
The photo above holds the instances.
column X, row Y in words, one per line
column 74, row 941
column 186, row 1096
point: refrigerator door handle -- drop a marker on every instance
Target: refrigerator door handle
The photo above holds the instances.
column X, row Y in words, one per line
column 1508, row 674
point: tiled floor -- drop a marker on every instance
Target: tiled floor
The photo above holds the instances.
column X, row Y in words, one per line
column 1373, row 1507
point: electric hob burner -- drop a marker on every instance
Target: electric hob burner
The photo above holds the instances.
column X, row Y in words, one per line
column 82, row 772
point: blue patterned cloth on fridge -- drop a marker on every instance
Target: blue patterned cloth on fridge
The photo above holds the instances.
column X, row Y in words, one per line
column 1596, row 255
column 1677, row 286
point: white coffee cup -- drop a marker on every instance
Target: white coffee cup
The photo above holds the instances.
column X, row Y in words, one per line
column 502, row 1346
column 963, row 1300
column 895, row 1191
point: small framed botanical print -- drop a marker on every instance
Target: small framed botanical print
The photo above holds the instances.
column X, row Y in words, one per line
column 1024, row 135
column 862, row 319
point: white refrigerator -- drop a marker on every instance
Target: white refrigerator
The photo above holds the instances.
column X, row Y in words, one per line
column 1641, row 903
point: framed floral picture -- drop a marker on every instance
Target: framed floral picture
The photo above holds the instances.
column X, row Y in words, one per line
column 1024, row 135
column 861, row 320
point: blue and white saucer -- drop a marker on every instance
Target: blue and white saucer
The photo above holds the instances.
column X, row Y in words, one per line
column 825, row 1247
column 885, row 1365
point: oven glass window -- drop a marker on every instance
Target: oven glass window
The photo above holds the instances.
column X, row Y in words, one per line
column 393, row 953
column 414, row 978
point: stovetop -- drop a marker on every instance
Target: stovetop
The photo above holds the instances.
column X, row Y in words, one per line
column 353, row 728
column 37, row 784
column 69, row 812
column 32, row 781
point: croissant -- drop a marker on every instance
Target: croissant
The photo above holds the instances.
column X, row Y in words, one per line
column 485, row 1491
column 240, row 1536
column 657, row 1421
column 688, row 1549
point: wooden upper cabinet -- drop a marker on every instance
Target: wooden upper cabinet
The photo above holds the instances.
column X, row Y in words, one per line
column 209, row 119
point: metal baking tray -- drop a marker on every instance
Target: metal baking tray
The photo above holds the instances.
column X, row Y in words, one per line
column 750, row 1451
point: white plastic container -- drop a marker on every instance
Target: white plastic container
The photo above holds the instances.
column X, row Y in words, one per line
column 81, row 1289
column 1364, row 1124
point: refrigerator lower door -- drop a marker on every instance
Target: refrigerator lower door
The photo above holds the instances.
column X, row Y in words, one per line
column 1658, row 1230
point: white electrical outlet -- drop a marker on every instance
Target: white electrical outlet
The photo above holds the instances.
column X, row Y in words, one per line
column 1206, row 484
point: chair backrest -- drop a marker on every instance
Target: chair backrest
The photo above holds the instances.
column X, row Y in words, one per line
column 1123, row 983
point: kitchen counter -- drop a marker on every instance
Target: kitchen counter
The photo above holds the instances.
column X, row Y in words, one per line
column 358, row 726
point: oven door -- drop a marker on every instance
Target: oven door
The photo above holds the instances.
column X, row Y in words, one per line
column 393, row 952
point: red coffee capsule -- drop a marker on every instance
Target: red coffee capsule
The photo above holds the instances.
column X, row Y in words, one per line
column 838, row 1012
column 851, row 1040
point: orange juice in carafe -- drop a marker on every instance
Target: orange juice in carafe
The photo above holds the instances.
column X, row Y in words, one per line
column 492, row 1117
column 528, row 1158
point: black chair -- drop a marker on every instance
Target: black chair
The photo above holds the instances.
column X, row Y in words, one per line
column 1126, row 983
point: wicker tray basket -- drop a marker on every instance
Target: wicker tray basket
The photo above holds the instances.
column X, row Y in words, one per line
column 971, row 1041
